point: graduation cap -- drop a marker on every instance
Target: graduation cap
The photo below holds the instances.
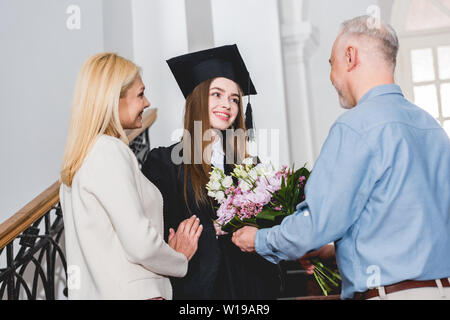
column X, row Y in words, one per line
column 193, row 68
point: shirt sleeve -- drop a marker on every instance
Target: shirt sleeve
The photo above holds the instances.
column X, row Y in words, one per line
column 113, row 182
column 336, row 193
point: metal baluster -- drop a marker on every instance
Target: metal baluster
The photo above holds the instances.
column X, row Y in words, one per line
column 9, row 268
column 33, row 242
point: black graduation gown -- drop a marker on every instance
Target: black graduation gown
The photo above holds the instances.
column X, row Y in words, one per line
column 218, row 270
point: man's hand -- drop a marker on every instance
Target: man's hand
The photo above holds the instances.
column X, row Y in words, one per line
column 325, row 253
column 244, row 238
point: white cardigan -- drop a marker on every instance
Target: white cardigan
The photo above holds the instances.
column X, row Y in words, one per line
column 113, row 220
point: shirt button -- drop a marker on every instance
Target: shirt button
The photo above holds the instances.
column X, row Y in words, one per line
column 306, row 213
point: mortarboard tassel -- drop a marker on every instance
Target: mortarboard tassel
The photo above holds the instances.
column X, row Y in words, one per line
column 249, row 125
column 249, row 122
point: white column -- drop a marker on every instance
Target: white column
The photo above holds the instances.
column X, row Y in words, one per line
column 199, row 25
column 298, row 39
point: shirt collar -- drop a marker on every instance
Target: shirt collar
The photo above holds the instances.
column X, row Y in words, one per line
column 380, row 90
column 217, row 147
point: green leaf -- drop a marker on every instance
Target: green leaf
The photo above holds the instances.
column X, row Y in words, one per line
column 269, row 214
column 279, row 198
column 269, row 217
column 232, row 225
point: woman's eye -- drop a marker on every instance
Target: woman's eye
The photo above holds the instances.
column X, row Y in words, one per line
column 216, row 94
column 235, row 100
column 141, row 94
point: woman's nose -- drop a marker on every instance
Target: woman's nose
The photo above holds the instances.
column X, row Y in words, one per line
column 226, row 104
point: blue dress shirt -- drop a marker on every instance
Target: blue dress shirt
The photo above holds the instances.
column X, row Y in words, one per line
column 380, row 190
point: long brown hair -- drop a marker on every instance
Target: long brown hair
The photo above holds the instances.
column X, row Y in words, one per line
column 197, row 109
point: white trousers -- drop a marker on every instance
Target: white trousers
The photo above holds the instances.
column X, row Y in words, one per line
column 428, row 293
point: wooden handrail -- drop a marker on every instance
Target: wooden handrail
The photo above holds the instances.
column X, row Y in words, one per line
column 37, row 207
column 330, row 297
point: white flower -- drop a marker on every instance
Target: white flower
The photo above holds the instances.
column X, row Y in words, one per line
column 253, row 174
column 220, row 196
column 244, row 186
column 264, row 169
column 211, row 194
column 240, row 172
column 216, row 174
column 248, row 161
column 227, row 182
column 215, row 185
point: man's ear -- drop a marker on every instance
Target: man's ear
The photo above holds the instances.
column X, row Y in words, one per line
column 351, row 58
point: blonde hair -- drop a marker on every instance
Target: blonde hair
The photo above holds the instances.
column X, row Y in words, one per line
column 103, row 79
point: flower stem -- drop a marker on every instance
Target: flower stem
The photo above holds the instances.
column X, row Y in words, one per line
column 328, row 278
column 325, row 276
column 333, row 274
column 319, row 281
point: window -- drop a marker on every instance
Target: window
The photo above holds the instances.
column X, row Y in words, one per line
column 424, row 58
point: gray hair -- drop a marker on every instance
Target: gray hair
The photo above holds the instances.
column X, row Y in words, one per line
column 375, row 29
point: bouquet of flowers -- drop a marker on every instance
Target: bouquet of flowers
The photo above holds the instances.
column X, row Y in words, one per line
column 260, row 196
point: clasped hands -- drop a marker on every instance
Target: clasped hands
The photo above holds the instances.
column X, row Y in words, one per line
column 185, row 240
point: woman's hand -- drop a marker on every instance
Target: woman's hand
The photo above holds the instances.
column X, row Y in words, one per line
column 185, row 240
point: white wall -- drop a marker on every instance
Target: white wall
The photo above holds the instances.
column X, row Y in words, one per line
column 39, row 60
column 159, row 33
column 254, row 26
column 327, row 16
column 118, row 27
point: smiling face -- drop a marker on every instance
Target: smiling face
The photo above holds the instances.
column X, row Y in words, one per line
column 224, row 102
column 132, row 105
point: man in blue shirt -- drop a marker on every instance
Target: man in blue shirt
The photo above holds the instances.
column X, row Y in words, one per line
column 380, row 189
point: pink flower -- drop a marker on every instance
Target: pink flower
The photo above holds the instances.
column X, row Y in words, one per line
column 249, row 210
column 225, row 213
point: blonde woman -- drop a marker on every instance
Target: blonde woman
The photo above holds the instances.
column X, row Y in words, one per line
column 113, row 215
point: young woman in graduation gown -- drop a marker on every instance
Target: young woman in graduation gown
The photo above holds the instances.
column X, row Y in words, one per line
column 213, row 82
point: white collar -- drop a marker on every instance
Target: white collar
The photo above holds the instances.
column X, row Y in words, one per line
column 217, row 154
column 217, row 146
